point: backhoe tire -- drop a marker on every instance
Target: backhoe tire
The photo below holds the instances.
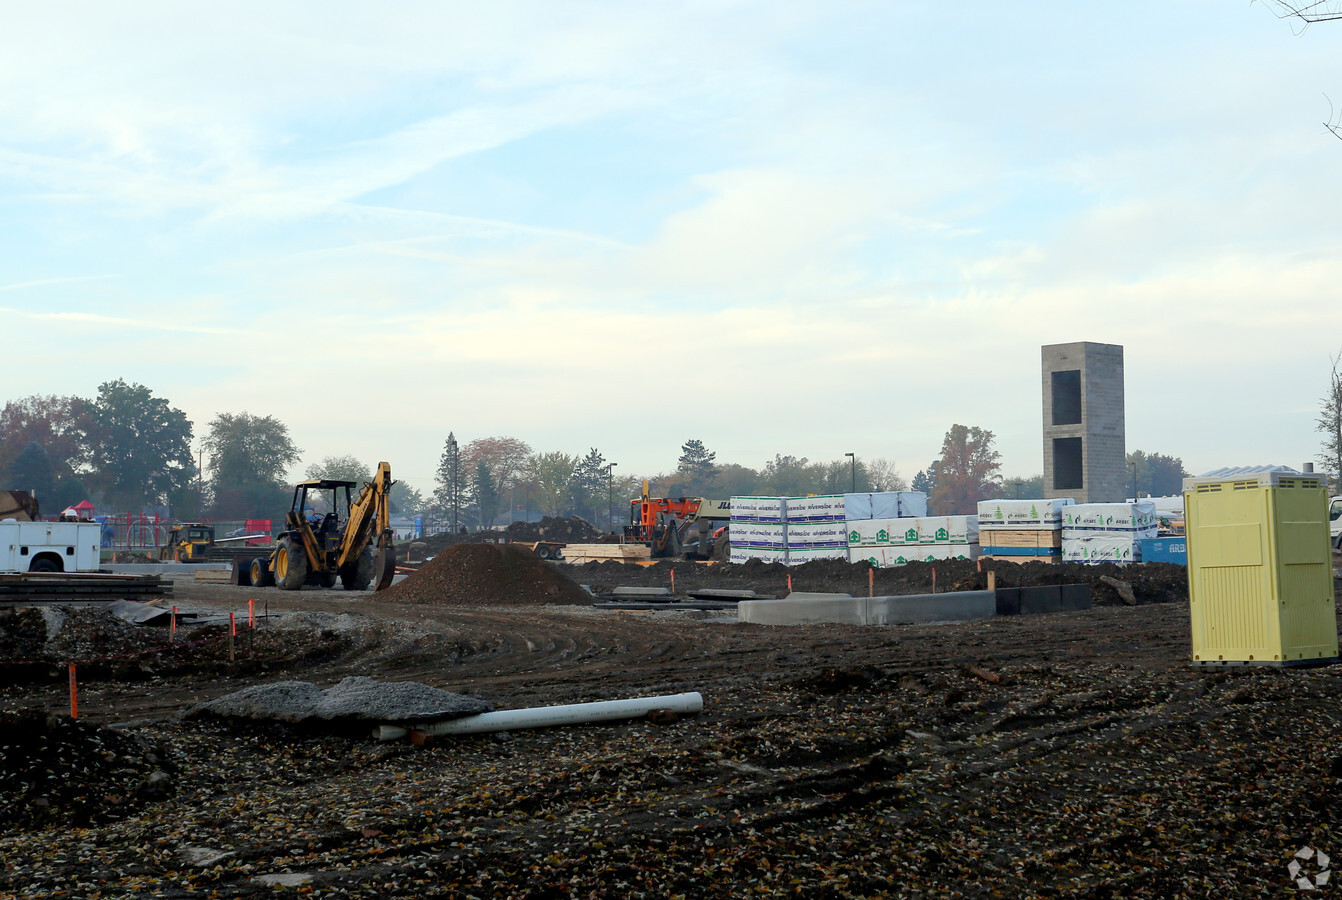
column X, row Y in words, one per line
column 291, row 565
column 260, row 573
column 364, row 569
column 328, row 579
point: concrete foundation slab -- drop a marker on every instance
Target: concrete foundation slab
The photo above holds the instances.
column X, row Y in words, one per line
column 914, row 609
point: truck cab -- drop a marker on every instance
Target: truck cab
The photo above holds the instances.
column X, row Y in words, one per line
column 1335, row 522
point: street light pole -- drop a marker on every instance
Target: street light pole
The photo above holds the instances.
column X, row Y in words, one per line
column 610, row 497
column 853, row 458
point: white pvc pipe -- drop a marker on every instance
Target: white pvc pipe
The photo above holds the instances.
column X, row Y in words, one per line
column 549, row 716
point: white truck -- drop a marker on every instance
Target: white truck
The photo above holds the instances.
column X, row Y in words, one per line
column 49, row 546
column 1335, row 522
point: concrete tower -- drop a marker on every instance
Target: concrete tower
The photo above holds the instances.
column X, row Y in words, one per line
column 1083, row 422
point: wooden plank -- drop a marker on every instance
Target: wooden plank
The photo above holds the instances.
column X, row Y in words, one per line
column 598, row 552
column 213, row 576
column 1020, row 537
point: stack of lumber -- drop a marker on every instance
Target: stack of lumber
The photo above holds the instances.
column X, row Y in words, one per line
column 584, row 553
column 1022, row 530
column 56, row 587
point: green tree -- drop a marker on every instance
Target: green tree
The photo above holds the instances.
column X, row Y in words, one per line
column 59, row 424
column 1329, row 424
column 140, row 446
column 551, row 474
column 405, row 499
column 486, row 495
column 696, row 468
column 926, row 479
column 788, row 476
column 590, row 484
column 1157, row 475
column 249, row 460
column 31, row 471
column 451, row 495
column 966, row 471
column 340, row 468
column 1020, row 487
column 734, row 481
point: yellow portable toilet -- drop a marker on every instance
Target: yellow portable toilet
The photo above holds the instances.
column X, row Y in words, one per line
column 1260, row 577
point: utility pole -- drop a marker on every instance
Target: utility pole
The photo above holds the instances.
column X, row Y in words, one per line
column 853, row 458
column 610, row 497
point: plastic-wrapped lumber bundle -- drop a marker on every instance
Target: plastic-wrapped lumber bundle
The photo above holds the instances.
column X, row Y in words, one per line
column 1107, row 532
column 808, row 541
column 1022, row 530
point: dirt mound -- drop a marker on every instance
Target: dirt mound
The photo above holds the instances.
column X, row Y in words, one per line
column 494, row 574
column 573, row 530
column 57, row 769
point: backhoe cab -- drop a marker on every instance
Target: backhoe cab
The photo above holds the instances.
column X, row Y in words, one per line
column 319, row 545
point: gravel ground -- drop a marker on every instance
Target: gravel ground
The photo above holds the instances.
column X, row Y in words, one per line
column 1074, row 755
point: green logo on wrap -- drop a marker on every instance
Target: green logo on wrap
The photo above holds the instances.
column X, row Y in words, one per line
column 943, row 534
column 853, row 537
column 1034, row 511
column 882, row 535
column 911, row 535
column 997, row 515
column 901, row 561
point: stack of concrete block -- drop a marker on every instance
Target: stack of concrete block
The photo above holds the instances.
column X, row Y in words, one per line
column 1107, row 532
column 1022, row 530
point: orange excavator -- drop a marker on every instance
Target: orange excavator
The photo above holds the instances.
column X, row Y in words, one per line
column 675, row 527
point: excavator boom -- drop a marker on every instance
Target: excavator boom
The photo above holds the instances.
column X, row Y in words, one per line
column 369, row 522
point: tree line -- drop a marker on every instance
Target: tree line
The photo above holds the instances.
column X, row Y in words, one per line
column 129, row 450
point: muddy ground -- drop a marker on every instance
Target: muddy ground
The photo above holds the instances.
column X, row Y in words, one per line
column 1074, row 755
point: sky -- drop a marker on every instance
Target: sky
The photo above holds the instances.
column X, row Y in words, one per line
column 804, row 228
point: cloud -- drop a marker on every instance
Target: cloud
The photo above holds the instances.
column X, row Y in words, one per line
column 43, row 282
column 94, row 320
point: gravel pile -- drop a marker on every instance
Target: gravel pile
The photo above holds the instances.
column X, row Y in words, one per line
column 495, row 574
column 354, row 700
column 54, row 769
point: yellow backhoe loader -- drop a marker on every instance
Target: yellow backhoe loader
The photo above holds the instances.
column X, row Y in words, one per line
column 318, row 545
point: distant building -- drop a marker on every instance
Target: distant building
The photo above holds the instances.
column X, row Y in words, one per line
column 1084, row 455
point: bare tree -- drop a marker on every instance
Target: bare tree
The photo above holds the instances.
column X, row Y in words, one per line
column 1308, row 12
column 1330, row 422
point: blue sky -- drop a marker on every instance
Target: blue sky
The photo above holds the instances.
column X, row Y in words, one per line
column 800, row 228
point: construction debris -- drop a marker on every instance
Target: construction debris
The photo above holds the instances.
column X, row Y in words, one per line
column 354, row 700
column 550, row 716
